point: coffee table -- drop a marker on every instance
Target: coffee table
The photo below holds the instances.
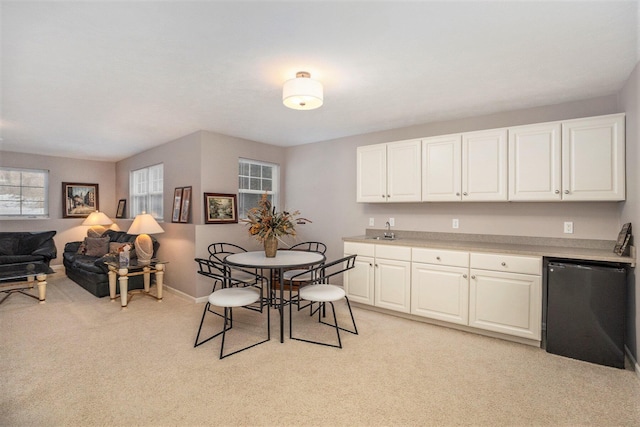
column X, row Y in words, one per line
column 134, row 269
column 20, row 277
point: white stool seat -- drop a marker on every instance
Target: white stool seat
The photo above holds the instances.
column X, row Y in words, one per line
column 302, row 278
column 234, row 297
column 243, row 276
column 322, row 293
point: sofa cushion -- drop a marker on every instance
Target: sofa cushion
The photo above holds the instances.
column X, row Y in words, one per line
column 96, row 246
column 87, row 263
column 9, row 245
column 30, row 242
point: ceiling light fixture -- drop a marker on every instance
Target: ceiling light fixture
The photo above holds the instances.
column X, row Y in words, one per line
column 302, row 93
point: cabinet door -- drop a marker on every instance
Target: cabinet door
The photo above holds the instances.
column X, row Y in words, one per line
column 371, row 181
column 441, row 168
column 593, row 158
column 359, row 282
column 440, row 292
column 508, row 303
column 404, row 171
column 535, row 162
column 484, row 165
column 393, row 284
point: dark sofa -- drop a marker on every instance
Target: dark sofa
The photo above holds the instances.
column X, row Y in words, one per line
column 24, row 246
column 91, row 272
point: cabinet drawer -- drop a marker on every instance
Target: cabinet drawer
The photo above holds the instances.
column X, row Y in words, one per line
column 401, row 253
column 440, row 257
column 364, row 249
column 509, row 263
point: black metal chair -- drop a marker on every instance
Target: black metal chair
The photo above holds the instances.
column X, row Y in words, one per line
column 319, row 290
column 219, row 251
column 297, row 273
column 233, row 293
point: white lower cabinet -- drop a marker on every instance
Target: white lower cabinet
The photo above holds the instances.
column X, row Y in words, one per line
column 381, row 277
column 505, row 294
column 489, row 291
column 440, row 285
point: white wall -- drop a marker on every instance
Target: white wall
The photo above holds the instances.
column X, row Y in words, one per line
column 322, row 184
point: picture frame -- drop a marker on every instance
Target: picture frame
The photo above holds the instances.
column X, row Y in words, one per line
column 186, row 205
column 220, row 208
column 177, row 204
column 122, row 205
column 79, row 199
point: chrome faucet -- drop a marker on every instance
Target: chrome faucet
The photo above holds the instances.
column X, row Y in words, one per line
column 388, row 234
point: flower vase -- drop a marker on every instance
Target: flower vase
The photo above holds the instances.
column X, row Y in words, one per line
column 270, row 246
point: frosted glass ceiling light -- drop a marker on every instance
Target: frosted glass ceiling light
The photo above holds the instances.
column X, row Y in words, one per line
column 302, row 93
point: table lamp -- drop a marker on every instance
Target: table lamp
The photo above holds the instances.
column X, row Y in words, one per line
column 143, row 225
column 97, row 220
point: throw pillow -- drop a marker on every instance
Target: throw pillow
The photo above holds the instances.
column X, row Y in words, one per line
column 96, row 246
column 82, row 249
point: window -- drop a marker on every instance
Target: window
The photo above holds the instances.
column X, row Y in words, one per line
column 146, row 190
column 254, row 179
column 24, row 192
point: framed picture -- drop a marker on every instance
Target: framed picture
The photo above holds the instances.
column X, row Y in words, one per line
column 122, row 205
column 220, row 208
column 177, row 203
column 186, row 204
column 79, row 200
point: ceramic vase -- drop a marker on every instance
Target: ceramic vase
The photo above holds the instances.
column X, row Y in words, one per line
column 270, row 246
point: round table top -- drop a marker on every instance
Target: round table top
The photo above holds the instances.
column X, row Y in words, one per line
column 283, row 259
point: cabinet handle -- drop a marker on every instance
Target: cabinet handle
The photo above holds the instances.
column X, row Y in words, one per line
column 383, row 196
column 473, row 277
column 557, row 191
column 376, row 265
column 504, row 264
column 457, row 194
column 566, row 191
column 388, row 195
column 438, row 258
column 464, row 276
column 465, row 194
column 370, row 265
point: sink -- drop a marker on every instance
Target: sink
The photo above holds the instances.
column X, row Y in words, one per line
column 380, row 238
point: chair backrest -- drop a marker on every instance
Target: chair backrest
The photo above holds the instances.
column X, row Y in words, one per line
column 219, row 272
column 218, row 251
column 310, row 247
column 322, row 273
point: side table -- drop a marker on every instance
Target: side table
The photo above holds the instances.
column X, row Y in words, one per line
column 123, row 272
column 20, row 277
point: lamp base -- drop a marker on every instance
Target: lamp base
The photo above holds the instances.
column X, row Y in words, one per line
column 144, row 249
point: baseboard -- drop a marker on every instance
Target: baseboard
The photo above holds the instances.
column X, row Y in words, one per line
column 182, row 294
column 634, row 362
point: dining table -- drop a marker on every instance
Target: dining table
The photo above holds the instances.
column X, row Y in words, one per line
column 284, row 259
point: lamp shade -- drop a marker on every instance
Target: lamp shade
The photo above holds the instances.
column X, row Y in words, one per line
column 145, row 224
column 97, row 218
column 302, row 93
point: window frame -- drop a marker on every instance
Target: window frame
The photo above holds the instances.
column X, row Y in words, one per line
column 150, row 193
column 45, row 187
column 274, row 193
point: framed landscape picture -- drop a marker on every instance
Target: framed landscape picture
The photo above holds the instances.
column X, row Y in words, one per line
column 220, row 208
column 177, row 204
column 79, row 200
column 186, row 204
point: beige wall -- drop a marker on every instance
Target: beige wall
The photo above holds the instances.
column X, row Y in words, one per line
column 322, row 184
column 630, row 102
column 63, row 170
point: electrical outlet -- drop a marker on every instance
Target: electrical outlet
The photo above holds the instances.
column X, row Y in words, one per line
column 392, row 222
column 371, row 222
column 455, row 223
column 568, row 227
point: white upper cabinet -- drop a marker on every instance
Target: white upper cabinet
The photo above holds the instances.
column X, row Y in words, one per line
column 372, row 173
column 593, row 158
column 389, row 172
column 535, row 162
column 484, row 165
column 441, row 168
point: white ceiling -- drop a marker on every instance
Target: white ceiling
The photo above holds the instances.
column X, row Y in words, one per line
column 106, row 80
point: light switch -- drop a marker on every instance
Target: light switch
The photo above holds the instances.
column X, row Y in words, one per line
column 568, row 227
column 372, row 222
column 455, row 223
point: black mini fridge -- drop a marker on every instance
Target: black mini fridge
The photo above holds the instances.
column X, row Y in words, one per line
column 586, row 311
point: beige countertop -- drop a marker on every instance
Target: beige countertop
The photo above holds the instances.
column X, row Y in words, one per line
column 580, row 249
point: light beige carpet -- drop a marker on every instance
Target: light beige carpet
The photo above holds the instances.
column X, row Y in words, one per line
column 82, row 361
